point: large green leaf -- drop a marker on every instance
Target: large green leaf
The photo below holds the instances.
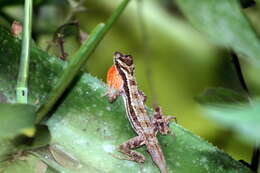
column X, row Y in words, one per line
column 90, row 128
column 86, row 129
column 224, row 22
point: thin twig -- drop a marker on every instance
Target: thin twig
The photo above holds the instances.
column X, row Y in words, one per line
column 59, row 35
column 61, row 41
column 22, row 82
column 242, row 81
column 255, row 158
column 256, row 150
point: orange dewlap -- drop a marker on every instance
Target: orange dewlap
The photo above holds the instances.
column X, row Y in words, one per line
column 113, row 78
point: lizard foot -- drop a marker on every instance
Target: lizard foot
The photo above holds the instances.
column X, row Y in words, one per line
column 127, row 147
column 112, row 94
column 161, row 122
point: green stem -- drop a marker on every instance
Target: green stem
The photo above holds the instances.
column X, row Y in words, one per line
column 78, row 60
column 22, row 89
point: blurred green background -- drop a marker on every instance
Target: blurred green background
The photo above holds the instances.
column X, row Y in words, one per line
column 174, row 61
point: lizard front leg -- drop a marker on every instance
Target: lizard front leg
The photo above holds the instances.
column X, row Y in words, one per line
column 132, row 143
column 161, row 122
column 112, row 94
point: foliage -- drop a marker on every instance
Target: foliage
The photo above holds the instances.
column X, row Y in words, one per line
column 86, row 129
column 224, row 22
column 234, row 111
column 82, row 131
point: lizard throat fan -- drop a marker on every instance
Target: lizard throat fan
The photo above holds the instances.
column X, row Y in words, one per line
column 114, row 80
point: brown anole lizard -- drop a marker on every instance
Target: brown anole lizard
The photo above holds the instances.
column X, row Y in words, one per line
column 121, row 81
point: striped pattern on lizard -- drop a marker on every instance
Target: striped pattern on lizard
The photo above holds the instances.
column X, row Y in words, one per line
column 121, row 81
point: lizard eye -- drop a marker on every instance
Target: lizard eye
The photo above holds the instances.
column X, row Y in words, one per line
column 128, row 59
column 118, row 54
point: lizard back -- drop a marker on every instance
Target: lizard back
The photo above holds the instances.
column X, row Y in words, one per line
column 133, row 100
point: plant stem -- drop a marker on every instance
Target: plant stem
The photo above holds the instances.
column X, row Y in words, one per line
column 22, row 82
column 255, row 158
column 256, row 150
column 242, row 81
column 78, row 60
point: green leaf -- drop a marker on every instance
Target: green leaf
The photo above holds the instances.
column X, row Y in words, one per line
column 244, row 119
column 16, row 119
column 9, row 63
column 232, row 110
column 86, row 129
column 220, row 96
column 224, row 23
column 42, row 138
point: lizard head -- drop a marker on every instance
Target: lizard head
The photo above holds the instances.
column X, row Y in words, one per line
column 124, row 60
column 121, row 63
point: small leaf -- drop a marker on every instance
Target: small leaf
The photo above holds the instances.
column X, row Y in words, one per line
column 16, row 119
column 224, row 23
column 232, row 110
column 42, row 138
column 244, row 119
column 220, row 96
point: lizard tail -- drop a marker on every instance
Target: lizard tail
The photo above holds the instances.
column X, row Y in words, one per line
column 157, row 156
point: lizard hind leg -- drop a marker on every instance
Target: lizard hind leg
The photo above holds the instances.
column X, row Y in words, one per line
column 126, row 148
column 161, row 122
